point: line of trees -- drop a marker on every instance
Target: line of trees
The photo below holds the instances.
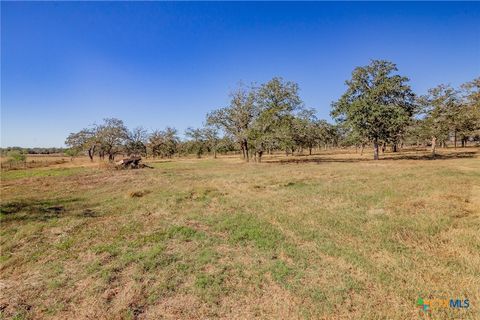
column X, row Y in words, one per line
column 112, row 138
column 7, row 150
column 271, row 117
column 378, row 108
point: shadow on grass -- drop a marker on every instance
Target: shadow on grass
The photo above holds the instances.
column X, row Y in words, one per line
column 385, row 157
column 452, row 155
column 42, row 210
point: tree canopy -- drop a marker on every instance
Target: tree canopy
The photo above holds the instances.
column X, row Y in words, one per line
column 378, row 104
column 377, row 108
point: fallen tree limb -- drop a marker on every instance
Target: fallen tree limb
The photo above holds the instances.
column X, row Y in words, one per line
column 131, row 163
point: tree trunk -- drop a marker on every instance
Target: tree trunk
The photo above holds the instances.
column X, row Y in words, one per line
column 361, row 150
column 245, row 143
column 394, row 147
column 434, row 145
column 310, row 151
column 383, row 148
column 260, row 153
column 375, row 150
column 90, row 154
column 214, row 153
column 455, row 139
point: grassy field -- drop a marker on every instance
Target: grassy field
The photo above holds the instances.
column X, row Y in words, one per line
column 35, row 161
column 334, row 236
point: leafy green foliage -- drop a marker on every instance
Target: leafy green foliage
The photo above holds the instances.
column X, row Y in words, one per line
column 17, row 156
column 378, row 107
column 378, row 104
column 163, row 143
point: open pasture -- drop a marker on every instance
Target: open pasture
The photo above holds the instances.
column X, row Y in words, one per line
column 333, row 235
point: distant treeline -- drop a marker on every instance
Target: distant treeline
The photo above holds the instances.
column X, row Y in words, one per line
column 378, row 108
column 6, row 151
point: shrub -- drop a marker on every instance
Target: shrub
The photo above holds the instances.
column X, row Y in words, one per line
column 17, row 156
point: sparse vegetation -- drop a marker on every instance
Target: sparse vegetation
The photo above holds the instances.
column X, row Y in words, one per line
column 316, row 236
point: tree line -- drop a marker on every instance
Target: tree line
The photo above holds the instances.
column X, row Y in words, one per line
column 378, row 108
column 20, row 150
column 112, row 137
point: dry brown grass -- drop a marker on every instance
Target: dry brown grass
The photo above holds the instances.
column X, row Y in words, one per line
column 329, row 236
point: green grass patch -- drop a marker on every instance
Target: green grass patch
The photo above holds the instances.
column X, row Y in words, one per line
column 43, row 172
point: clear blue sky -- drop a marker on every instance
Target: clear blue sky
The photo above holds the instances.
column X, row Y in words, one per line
column 67, row 65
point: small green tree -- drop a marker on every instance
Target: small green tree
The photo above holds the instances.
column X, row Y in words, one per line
column 237, row 119
column 198, row 143
column 469, row 119
column 305, row 131
column 277, row 101
column 17, row 156
column 112, row 135
column 136, row 142
column 72, row 153
column 440, row 110
column 212, row 140
column 163, row 143
column 84, row 140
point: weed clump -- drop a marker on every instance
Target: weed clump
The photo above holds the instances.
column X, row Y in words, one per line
column 138, row 194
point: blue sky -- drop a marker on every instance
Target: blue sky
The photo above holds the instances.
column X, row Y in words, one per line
column 67, row 65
